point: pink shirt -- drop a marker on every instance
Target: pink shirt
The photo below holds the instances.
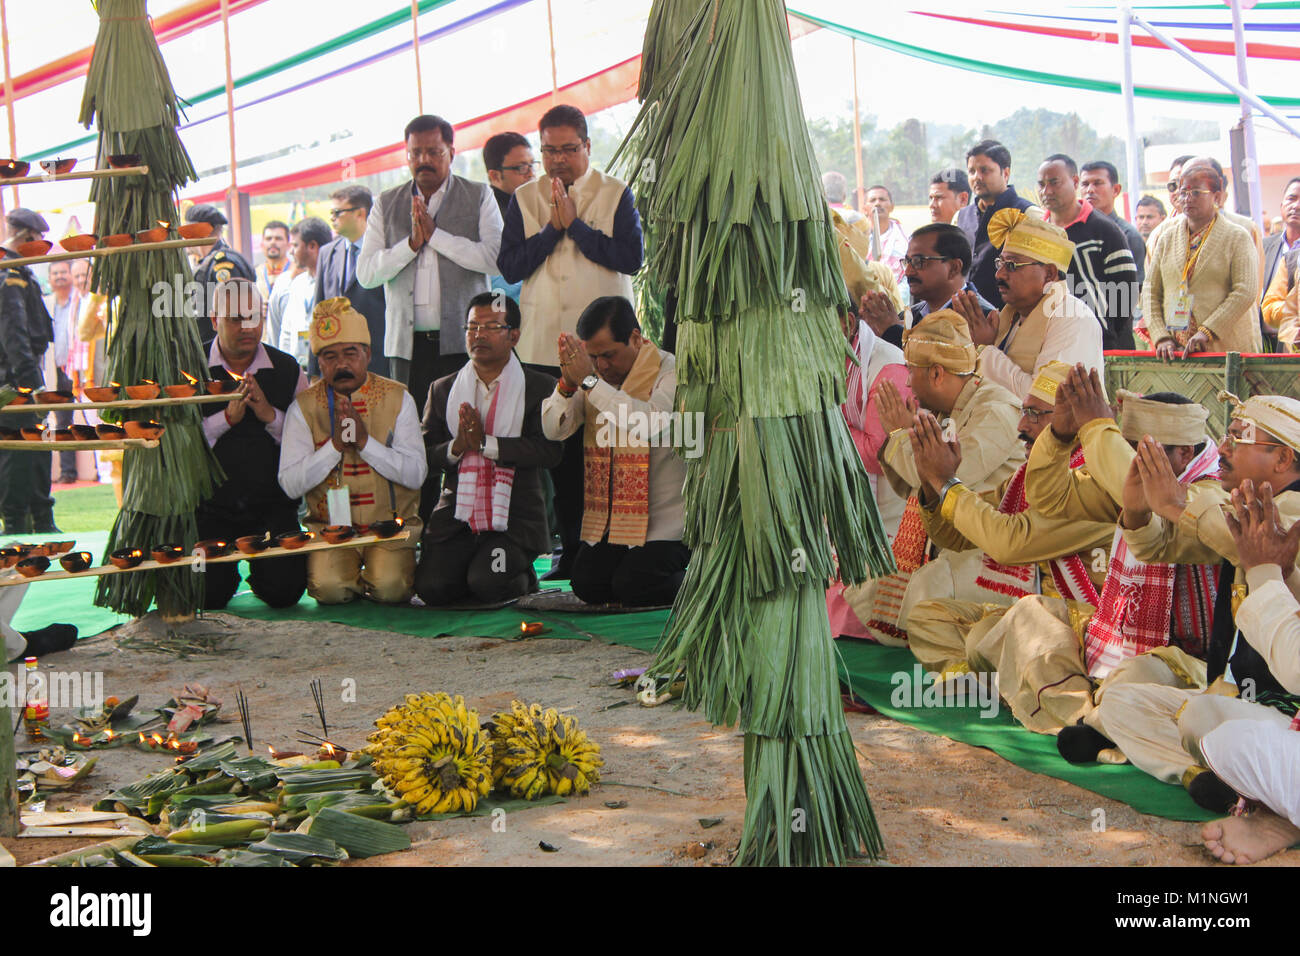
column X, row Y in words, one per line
column 214, row 426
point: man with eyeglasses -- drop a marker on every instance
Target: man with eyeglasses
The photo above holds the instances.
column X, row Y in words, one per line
column 509, row 161
column 432, row 244
column 336, row 269
column 1024, row 551
column 1160, row 728
column 1041, row 321
column 483, row 432
column 352, row 448
column 571, row 237
column 1202, row 286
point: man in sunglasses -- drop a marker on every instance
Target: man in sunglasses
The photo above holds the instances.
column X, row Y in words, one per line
column 336, row 269
column 1041, row 321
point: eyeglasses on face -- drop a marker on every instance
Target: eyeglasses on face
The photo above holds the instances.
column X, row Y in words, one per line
column 1035, row 415
column 418, row 154
column 918, row 262
column 1233, row 439
column 999, row 264
column 490, row 329
column 1189, row 193
column 568, row 149
column 520, row 168
column 335, row 213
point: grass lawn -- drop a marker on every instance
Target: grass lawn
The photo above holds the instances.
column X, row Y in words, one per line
column 85, row 509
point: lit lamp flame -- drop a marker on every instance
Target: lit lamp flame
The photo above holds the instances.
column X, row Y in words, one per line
column 189, row 379
column 80, row 740
column 531, row 627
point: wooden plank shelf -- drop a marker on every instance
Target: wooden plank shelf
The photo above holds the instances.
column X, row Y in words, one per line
column 84, row 174
column 125, row 403
column 11, row 577
column 99, row 253
column 43, row 445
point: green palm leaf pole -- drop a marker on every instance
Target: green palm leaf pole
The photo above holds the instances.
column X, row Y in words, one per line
column 729, row 187
column 129, row 95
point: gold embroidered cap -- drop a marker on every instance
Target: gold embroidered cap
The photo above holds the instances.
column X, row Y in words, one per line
column 1048, row 379
column 1275, row 414
column 941, row 338
column 334, row 322
column 1167, row 424
column 1028, row 234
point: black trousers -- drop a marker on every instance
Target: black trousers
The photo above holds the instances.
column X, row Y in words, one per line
column 25, row 482
column 277, row 582
column 566, row 479
column 486, row 567
column 67, row 459
column 633, row 577
column 425, row 368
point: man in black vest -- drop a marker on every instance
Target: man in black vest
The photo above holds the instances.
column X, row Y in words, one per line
column 26, row 330
column 245, row 436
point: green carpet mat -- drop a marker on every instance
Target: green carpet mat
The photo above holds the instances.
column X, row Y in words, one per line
column 875, row 675
column 870, row 670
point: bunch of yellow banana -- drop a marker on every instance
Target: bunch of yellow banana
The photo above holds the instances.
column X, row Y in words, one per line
column 432, row 753
column 536, row 752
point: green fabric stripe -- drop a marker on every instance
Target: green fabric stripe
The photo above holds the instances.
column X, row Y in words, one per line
column 987, row 68
column 362, row 32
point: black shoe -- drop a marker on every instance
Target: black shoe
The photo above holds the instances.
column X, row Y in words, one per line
column 1211, row 793
column 18, row 524
column 48, row 640
column 561, row 569
column 67, row 480
column 44, row 524
column 1081, row 744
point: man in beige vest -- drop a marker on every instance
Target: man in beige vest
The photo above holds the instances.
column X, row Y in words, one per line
column 1041, row 321
column 352, row 446
column 571, row 237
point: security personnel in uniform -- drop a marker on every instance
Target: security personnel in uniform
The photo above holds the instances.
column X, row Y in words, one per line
column 26, row 331
column 220, row 264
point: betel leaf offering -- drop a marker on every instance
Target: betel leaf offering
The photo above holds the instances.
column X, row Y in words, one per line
column 724, row 172
column 129, row 96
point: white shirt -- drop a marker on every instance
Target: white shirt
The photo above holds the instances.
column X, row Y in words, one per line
column 303, row 466
column 275, row 307
column 478, row 256
column 483, row 393
column 562, row 417
column 295, row 317
column 1073, row 336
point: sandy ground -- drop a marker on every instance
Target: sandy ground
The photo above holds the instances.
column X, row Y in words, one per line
column 937, row 801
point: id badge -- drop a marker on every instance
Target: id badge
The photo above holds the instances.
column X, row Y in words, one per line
column 1180, row 316
column 339, row 504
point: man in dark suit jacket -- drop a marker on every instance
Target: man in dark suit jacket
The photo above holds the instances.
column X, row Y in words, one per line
column 489, row 446
column 336, row 269
column 1279, row 244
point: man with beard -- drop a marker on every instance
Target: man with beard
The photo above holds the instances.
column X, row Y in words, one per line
column 352, row 446
column 1025, row 552
column 275, row 245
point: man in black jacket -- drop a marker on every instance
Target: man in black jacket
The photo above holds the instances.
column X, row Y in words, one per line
column 245, row 437
column 26, row 330
column 988, row 164
column 336, row 269
column 483, row 429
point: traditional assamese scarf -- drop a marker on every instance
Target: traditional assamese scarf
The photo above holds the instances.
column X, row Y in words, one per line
column 483, row 486
column 1139, row 599
column 616, row 475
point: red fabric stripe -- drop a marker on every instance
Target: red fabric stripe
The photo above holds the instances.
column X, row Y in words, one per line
column 169, row 26
column 1267, row 51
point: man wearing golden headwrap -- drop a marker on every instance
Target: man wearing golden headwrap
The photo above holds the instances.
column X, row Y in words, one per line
column 352, row 446
column 1041, row 321
column 1025, row 553
column 1157, row 728
column 983, row 416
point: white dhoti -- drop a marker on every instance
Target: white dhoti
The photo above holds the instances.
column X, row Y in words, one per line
column 10, row 598
column 1260, row 759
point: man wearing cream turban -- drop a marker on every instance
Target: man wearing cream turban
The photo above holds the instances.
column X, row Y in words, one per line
column 1024, row 552
column 983, row 416
column 1159, row 728
column 1152, row 620
column 1040, row 321
column 352, row 446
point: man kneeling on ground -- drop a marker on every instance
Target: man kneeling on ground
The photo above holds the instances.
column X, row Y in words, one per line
column 620, row 387
column 483, row 427
column 334, row 454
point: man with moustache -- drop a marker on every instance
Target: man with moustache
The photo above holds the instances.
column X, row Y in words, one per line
column 949, row 193
column 1147, row 215
column 275, row 246
column 352, row 446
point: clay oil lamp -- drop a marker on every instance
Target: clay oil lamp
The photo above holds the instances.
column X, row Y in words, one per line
column 76, row 561
column 126, row 558
column 33, row 566
column 166, row 553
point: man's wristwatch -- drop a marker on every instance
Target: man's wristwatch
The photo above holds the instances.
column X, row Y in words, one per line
column 943, row 491
column 588, row 383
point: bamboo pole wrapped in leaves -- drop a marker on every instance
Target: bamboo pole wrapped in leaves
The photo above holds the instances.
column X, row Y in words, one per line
column 738, row 227
column 129, row 95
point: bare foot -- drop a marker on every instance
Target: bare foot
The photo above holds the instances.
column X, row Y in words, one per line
column 1249, row 839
